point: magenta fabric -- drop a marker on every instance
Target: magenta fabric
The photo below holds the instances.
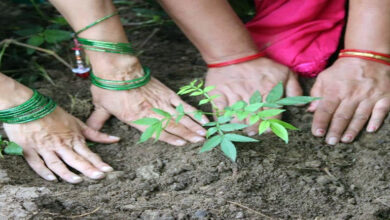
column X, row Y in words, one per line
column 301, row 34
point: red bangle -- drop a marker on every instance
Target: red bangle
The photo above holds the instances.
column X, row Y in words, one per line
column 239, row 60
column 367, row 55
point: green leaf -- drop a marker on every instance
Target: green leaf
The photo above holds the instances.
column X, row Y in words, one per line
column 198, row 115
column 147, row 134
column 254, row 119
column 228, row 112
column 239, row 138
column 238, row 105
column 271, row 105
column 34, row 40
column 297, row 100
column 59, row 21
column 211, row 131
column 158, row 129
column 200, row 84
column 284, row 124
column 208, row 88
column 197, row 93
column 264, row 125
column 253, row 107
column 280, row 131
column 270, row 113
column 162, row 112
column 223, row 119
column 211, row 143
column 55, row 36
column 214, row 97
column 13, row 149
column 180, row 109
column 229, row 149
column 232, row 127
column 146, row 121
column 203, row 101
column 185, row 91
column 275, row 94
column 242, row 115
column 210, row 124
column 193, row 82
column 29, row 31
column 178, row 118
column 256, row 98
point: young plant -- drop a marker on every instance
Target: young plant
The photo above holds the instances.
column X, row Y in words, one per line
column 221, row 132
column 10, row 148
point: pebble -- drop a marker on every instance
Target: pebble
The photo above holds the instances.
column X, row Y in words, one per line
column 240, row 215
column 352, row 201
column 114, row 175
column 201, row 214
column 340, row 190
column 178, row 186
column 313, row 164
column 323, row 180
column 147, row 172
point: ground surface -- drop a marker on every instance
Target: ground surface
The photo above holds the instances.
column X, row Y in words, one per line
column 305, row 179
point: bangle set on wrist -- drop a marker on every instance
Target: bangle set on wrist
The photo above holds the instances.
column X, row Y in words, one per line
column 367, row 55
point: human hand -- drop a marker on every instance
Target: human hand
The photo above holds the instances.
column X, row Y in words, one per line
column 353, row 92
column 59, row 139
column 238, row 82
column 130, row 105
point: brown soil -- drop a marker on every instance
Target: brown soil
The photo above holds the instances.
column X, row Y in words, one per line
column 305, row 179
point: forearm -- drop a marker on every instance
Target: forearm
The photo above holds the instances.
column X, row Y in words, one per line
column 213, row 27
column 82, row 13
column 12, row 93
column 368, row 26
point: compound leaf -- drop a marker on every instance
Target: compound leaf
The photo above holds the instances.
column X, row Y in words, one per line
column 296, row 100
column 264, row 125
column 162, row 112
column 270, row 113
column 232, row 127
column 146, row 121
column 239, row 138
column 283, row 123
column 280, row 131
column 256, row 98
column 211, row 143
column 275, row 94
column 229, row 149
column 211, row 131
column 13, row 149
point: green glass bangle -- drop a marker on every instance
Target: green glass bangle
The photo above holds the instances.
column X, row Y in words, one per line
column 96, row 22
column 103, row 46
column 37, row 107
column 121, row 85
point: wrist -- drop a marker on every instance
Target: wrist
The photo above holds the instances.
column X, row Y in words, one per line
column 224, row 56
column 12, row 93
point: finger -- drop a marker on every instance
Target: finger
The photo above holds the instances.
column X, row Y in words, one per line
column 58, row 167
column 164, row 136
column 188, row 108
column 340, row 120
column 322, row 116
column 193, row 126
column 97, row 136
column 358, row 121
column 251, row 130
column 293, row 88
column 97, row 119
column 315, row 92
column 37, row 164
column 380, row 111
column 82, row 149
column 232, row 99
column 221, row 102
column 79, row 163
column 181, row 131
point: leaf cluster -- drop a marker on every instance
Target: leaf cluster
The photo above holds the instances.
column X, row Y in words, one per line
column 10, row 148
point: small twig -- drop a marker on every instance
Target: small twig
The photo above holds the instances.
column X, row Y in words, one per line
column 72, row 216
column 154, row 32
column 50, row 52
column 326, row 170
column 252, row 210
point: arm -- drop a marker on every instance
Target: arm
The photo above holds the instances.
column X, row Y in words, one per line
column 220, row 36
column 354, row 90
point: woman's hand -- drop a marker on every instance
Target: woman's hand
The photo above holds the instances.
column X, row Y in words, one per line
column 353, row 92
column 59, row 139
column 134, row 104
column 240, row 81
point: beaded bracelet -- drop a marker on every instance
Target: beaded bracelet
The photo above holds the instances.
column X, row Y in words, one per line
column 111, row 47
column 236, row 61
column 367, row 55
column 37, row 107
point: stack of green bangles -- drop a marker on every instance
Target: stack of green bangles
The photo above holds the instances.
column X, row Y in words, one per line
column 111, row 47
column 37, row 107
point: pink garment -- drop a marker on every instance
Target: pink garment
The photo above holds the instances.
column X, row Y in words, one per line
column 301, row 34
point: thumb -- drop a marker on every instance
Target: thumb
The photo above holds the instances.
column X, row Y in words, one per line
column 292, row 86
column 98, row 118
column 315, row 92
column 97, row 136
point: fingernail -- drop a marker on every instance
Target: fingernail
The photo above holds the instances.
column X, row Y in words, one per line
column 371, row 129
column 97, row 175
column 107, row 169
column 197, row 139
column 320, row 132
column 51, row 178
column 252, row 133
column 114, row 138
column 201, row 132
column 347, row 138
column 180, row 142
column 77, row 179
column 203, row 121
column 268, row 131
column 332, row 141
